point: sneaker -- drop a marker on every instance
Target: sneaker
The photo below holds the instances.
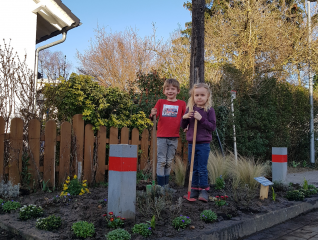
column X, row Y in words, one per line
column 203, row 196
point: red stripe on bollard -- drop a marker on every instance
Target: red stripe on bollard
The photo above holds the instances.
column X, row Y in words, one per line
column 122, row 164
column 279, row 158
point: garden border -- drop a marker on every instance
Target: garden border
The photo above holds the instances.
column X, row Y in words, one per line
column 224, row 230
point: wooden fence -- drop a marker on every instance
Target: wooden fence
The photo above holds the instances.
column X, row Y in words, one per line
column 89, row 151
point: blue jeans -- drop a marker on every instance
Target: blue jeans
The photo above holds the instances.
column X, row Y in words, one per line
column 200, row 172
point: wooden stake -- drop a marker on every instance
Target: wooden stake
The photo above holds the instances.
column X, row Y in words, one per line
column 263, row 192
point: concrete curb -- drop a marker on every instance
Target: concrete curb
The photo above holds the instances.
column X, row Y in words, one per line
column 243, row 228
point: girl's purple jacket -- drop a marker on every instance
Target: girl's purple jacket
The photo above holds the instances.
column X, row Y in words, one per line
column 205, row 126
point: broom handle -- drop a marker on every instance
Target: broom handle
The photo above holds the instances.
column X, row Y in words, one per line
column 192, row 155
column 154, row 148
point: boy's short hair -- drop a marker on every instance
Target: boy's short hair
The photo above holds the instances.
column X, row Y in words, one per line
column 173, row 82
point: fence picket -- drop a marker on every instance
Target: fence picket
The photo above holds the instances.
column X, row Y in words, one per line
column 88, row 153
column 144, row 149
column 113, row 135
column 16, row 151
column 34, row 144
column 78, row 129
column 101, row 154
column 49, row 156
column 124, row 136
column 65, row 151
column 2, row 126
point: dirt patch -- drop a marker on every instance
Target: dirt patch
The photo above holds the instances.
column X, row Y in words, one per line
column 90, row 207
column 299, row 169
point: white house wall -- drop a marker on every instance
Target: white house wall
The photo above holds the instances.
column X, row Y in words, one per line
column 18, row 23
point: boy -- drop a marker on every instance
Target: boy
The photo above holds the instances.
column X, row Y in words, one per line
column 170, row 112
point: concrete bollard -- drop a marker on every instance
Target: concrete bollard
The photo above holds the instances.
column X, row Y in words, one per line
column 122, row 180
column 279, row 163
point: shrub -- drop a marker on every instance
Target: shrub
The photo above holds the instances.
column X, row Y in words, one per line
column 10, row 205
column 295, row 195
column 74, row 187
column 221, row 201
column 208, row 216
column 143, row 229
column 118, row 234
column 30, row 211
column 219, row 183
column 83, row 229
column 181, row 222
column 49, row 223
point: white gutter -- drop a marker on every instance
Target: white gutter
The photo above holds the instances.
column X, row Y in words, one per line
column 37, row 61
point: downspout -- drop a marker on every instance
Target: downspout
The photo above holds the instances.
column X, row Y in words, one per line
column 37, row 62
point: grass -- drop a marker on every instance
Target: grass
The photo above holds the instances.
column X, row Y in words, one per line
column 179, row 168
column 218, row 165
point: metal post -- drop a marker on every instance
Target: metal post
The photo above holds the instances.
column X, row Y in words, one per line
column 233, row 96
column 312, row 137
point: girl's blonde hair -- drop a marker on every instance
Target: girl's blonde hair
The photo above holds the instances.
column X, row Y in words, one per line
column 208, row 103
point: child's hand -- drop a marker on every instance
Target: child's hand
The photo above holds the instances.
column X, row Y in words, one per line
column 188, row 115
column 186, row 129
column 153, row 112
column 197, row 115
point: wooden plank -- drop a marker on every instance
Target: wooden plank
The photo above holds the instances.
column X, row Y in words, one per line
column 124, row 136
column 144, row 149
column 2, row 137
column 113, row 135
column 78, row 130
column 34, row 144
column 101, row 155
column 135, row 141
column 16, row 151
column 49, row 153
column 65, row 151
column 263, row 192
column 88, row 153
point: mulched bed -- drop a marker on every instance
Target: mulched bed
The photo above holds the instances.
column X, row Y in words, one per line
column 89, row 207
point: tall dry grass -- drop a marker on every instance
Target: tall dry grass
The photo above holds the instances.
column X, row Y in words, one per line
column 219, row 165
column 179, row 168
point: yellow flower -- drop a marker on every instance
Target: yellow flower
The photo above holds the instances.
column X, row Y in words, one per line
column 75, row 176
column 64, row 185
column 68, row 178
column 80, row 193
column 82, row 190
column 84, row 184
column 84, row 181
column 62, row 193
column 67, row 182
column 87, row 190
column 65, row 188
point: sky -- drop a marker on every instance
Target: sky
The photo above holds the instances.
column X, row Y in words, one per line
column 167, row 15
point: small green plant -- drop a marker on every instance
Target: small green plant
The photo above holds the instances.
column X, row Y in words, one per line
column 208, row 216
column 113, row 221
column 83, row 229
column 305, row 164
column 45, row 187
column 295, row 195
column 103, row 202
column 181, row 222
column 30, row 211
column 219, row 183
column 74, row 187
column 49, row 223
column 152, row 222
column 221, row 200
column 1, row 201
column 118, row 234
column 143, row 229
column 273, row 194
column 294, row 164
column 10, row 205
column 305, row 185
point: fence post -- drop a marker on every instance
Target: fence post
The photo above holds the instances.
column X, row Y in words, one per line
column 88, row 153
column 16, row 150
column 78, row 128
column 144, row 149
column 122, row 180
column 65, row 151
column 2, row 126
column 49, row 153
column 34, row 144
column 101, row 154
column 279, row 163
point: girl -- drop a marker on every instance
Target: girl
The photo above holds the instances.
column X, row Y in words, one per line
column 200, row 108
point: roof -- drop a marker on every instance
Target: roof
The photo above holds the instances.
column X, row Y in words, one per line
column 53, row 17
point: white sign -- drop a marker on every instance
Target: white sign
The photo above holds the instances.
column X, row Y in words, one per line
column 264, row 181
column 233, row 94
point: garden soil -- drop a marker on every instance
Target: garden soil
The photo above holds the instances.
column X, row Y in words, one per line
column 91, row 207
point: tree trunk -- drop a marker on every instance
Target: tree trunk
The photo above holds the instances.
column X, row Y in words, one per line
column 197, row 42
